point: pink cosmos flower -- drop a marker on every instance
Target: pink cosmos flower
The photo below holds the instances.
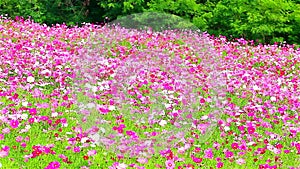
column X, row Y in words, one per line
column 6, row 148
column 1, row 137
column 240, row 161
column 31, row 120
column 216, row 145
column 228, row 154
column 142, row 160
column 251, row 130
column 53, row 165
column 202, row 100
column 170, row 164
column 23, row 144
column 196, row 159
column 234, row 145
column 32, row 111
column 208, row 153
column 220, row 165
column 3, row 153
column 14, row 124
column 76, row 149
column 63, row 120
column 130, row 133
column 19, row 138
column 92, row 152
column 84, row 167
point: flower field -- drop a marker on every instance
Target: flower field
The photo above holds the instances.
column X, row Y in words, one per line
column 108, row 97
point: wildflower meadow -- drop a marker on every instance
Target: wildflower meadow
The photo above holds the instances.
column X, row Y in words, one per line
column 108, row 97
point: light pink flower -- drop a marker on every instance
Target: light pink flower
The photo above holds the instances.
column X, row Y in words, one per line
column 3, row 153
column 240, row 161
column 92, row 152
column 170, row 164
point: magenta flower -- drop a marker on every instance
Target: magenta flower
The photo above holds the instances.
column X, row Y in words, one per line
column 6, row 148
column 228, row 154
column 130, row 133
column 196, row 159
column 63, row 120
column 251, row 130
column 47, row 150
column 220, row 165
column 31, row 120
column 202, row 100
column 53, row 165
column 23, row 144
column 32, row 111
column 14, row 124
column 76, row 149
column 234, row 145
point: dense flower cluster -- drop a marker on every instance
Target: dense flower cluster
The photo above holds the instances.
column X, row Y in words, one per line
column 257, row 128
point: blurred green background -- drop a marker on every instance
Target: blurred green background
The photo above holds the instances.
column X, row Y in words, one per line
column 264, row 21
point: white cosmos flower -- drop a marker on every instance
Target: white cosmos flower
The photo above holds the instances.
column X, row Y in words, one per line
column 30, row 79
column 273, row 99
column 24, row 104
column 284, row 89
column 90, row 105
column 96, row 137
column 122, row 166
column 256, row 87
column 94, row 89
column 106, row 62
column 279, row 82
column 87, row 85
column 55, row 114
column 226, row 128
column 106, row 86
column 167, row 105
column 148, row 142
column 111, row 107
column 24, row 116
column 162, row 122
column 102, row 130
column 27, row 127
column 181, row 150
column 250, row 143
column 102, row 88
column 84, row 139
column 46, row 71
column 204, row 117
